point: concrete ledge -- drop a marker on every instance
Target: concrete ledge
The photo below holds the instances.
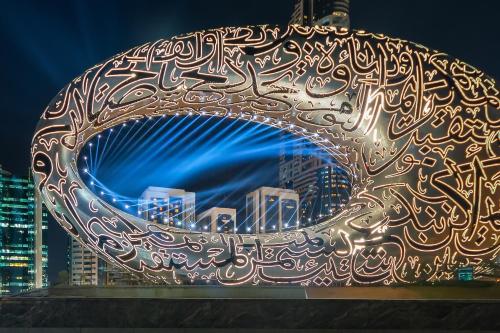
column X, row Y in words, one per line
column 483, row 292
column 218, row 330
column 194, row 330
column 253, row 309
column 253, row 314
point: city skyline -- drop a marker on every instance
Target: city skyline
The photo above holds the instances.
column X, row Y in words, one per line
column 218, row 165
column 18, row 157
column 217, row 161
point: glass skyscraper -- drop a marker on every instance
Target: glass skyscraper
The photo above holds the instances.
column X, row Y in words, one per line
column 18, row 231
column 323, row 186
column 321, row 12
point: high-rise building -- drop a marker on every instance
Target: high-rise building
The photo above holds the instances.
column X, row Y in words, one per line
column 171, row 206
column 321, row 12
column 23, row 247
column 83, row 268
column 87, row 269
column 217, row 219
column 323, row 186
column 270, row 209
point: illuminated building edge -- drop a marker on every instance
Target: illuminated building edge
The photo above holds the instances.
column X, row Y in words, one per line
column 414, row 128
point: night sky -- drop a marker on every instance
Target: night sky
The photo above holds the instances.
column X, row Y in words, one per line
column 45, row 44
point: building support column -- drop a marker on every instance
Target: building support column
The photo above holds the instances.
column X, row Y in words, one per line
column 38, row 240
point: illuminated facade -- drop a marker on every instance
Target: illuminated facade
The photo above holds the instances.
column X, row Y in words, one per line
column 217, row 220
column 414, row 130
column 18, row 232
column 270, row 209
column 171, row 206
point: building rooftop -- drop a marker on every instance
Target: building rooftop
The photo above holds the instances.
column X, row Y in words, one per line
column 163, row 190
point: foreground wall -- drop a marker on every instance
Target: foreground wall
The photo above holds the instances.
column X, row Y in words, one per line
column 249, row 314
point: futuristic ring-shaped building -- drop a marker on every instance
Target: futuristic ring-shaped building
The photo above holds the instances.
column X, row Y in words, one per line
column 417, row 130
